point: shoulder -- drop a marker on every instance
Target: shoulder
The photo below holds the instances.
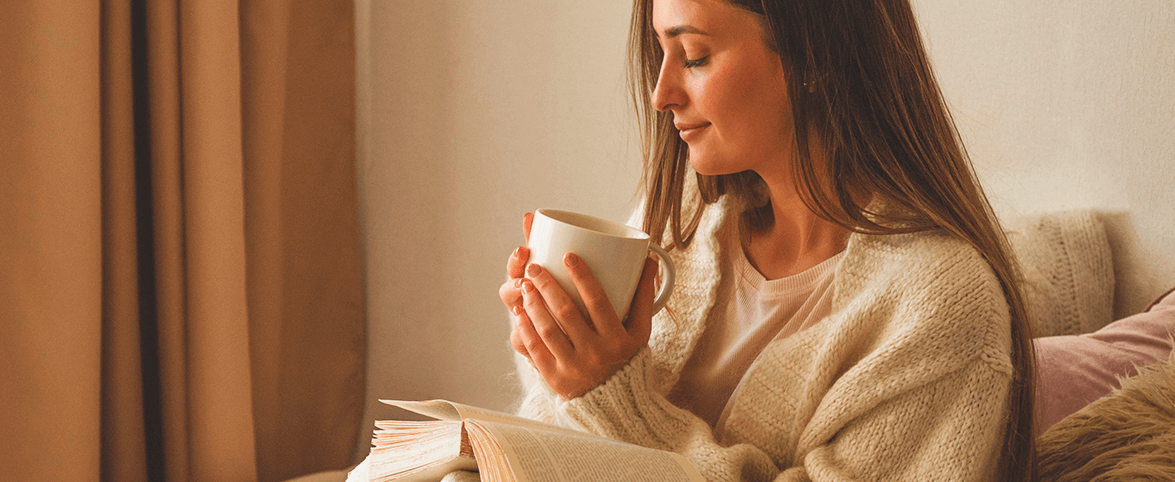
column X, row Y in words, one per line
column 928, row 286
column 925, row 262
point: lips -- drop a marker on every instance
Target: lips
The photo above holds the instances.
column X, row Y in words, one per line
column 688, row 127
column 690, row 131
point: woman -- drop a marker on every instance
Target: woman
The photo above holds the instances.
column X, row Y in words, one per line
column 846, row 306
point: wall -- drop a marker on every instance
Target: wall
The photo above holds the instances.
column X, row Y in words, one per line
column 472, row 112
column 1070, row 104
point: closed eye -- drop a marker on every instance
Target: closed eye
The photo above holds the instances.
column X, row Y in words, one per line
column 689, row 64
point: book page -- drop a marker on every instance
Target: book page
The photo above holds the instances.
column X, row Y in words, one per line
column 536, row 455
column 438, row 409
column 446, row 410
column 429, row 473
column 418, row 451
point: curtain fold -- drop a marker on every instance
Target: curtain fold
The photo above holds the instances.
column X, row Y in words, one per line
column 299, row 129
column 181, row 292
column 122, row 374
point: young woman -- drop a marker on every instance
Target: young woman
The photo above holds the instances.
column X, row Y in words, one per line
column 846, row 305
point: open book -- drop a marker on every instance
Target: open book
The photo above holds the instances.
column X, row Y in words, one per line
column 504, row 447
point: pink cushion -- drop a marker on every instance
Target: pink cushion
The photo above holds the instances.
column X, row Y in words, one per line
column 1074, row 370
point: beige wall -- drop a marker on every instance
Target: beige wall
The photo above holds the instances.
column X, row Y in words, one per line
column 472, row 112
column 1070, row 104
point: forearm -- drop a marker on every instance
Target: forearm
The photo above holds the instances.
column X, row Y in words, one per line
column 950, row 429
column 947, row 429
column 624, row 408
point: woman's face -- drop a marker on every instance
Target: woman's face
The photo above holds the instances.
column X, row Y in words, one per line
column 724, row 86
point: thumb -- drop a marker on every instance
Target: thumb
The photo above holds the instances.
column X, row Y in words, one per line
column 640, row 314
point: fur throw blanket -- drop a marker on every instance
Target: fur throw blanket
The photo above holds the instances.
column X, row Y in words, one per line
column 1127, row 435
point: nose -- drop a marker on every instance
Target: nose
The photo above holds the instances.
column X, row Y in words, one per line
column 668, row 93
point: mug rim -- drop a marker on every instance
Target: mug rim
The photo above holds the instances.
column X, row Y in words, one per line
column 562, row 216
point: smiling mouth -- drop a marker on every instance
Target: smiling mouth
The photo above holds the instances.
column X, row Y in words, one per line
column 690, row 131
column 684, row 128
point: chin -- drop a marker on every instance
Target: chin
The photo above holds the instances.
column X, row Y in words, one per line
column 708, row 166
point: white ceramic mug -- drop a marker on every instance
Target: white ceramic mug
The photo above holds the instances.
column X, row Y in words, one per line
column 615, row 253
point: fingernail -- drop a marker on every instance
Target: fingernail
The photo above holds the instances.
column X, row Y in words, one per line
column 533, row 270
column 518, row 283
column 517, row 310
column 517, row 252
column 571, row 260
column 527, row 288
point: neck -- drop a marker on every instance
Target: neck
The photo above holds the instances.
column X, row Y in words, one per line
column 796, row 241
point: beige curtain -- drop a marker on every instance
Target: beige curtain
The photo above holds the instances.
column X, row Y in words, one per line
column 181, row 291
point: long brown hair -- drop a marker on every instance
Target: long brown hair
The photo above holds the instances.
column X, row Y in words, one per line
column 860, row 85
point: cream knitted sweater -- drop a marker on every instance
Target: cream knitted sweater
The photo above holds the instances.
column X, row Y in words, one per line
column 907, row 379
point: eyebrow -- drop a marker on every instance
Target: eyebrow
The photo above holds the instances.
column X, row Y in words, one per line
column 682, row 29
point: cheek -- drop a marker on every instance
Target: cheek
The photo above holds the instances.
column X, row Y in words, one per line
column 743, row 106
column 765, row 102
column 726, row 93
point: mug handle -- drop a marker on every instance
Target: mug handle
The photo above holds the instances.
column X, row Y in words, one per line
column 670, row 273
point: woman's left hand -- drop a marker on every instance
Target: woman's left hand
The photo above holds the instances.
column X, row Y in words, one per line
column 572, row 354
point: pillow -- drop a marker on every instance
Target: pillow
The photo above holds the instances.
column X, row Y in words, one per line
column 1068, row 272
column 1129, row 435
column 1075, row 370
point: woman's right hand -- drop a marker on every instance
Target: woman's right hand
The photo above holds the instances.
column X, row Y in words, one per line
column 511, row 290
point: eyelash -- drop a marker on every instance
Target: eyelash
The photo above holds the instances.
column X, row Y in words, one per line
column 689, row 64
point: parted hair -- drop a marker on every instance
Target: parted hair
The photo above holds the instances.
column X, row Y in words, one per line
column 888, row 158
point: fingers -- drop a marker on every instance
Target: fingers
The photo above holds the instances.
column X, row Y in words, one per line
column 516, row 264
column 527, row 222
column 560, row 306
column 527, row 342
column 640, row 313
column 511, row 292
column 599, row 307
column 548, row 329
column 572, row 366
column 516, row 340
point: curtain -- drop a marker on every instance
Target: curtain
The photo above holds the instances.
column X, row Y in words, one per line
column 181, row 292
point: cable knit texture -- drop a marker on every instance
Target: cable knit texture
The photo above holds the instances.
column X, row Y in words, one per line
column 907, row 379
column 1068, row 271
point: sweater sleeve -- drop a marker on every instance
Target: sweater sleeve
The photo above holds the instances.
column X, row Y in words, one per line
column 625, row 408
column 948, row 429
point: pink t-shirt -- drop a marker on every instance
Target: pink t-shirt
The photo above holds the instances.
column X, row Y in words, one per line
column 751, row 313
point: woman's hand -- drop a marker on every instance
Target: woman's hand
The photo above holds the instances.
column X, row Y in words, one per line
column 572, row 354
column 511, row 290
